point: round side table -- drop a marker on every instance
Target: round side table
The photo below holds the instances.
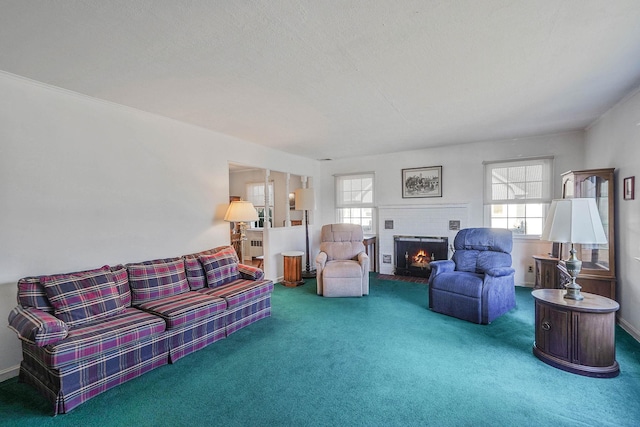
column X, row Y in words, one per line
column 293, row 268
column 576, row 336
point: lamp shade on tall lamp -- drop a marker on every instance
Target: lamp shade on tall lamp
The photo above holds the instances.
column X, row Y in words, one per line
column 574, row 221
column 241, row 212
column 305, row 201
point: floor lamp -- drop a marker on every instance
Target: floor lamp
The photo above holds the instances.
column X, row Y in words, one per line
column 305, row 201
column 574, row 221
column 241, row 212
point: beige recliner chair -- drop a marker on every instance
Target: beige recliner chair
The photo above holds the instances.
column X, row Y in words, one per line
column 342, row 266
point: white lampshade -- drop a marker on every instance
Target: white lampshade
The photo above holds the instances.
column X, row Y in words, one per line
column 241, row 211
column 574, row 221
column 305, row 199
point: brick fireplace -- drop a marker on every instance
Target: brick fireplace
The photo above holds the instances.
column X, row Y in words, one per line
column 413, row 254
column 415, row 221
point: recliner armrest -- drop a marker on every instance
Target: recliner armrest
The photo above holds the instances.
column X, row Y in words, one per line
column 321, row 260
column 363, row 260
column 442, row 266
column 500, row 271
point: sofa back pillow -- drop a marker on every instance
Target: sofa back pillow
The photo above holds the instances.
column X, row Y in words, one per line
column 121, row 279
column 193, row 268
column 152, row 280
column 196, row 275
column 31, row 293
column 220, row 268
column 83, row 297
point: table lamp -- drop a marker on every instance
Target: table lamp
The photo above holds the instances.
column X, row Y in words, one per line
column 574, row 221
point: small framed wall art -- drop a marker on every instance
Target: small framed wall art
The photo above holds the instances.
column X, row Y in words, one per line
column 422, row 182
column 629, row 187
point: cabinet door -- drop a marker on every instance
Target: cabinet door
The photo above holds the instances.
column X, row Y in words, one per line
column 552, row 331
column 548, row 275
column 596, row 345
column 598, row 184
column 596, row 259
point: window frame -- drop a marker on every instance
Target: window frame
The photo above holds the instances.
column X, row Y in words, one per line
column 543, row 199
column 340, row 203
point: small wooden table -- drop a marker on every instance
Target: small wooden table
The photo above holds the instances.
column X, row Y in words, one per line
column 576, row 336
column 370, row 247
column 293, row 268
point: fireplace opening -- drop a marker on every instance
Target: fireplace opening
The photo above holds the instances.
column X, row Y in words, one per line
column 413, row 254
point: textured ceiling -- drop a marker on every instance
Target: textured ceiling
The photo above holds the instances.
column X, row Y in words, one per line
column 334, row 79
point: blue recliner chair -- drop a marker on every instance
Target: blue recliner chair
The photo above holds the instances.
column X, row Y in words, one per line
column 477, row 283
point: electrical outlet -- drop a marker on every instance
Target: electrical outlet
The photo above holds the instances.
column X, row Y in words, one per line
column 530, row 270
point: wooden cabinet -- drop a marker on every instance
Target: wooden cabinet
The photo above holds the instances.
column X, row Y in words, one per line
column 370, row 247
column 547, row 275
column 576, row 336
column 598, row 274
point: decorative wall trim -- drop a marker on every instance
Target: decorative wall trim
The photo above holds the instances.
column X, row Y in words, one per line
column 629, row 329
column 10, row 372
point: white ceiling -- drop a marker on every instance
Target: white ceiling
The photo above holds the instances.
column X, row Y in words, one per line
column 338, row 78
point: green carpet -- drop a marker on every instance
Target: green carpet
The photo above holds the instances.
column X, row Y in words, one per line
column 381, row 360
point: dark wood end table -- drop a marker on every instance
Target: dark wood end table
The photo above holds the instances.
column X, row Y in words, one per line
column 576, row 336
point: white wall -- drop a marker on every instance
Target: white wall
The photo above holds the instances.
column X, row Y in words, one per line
column 85, row 183
column 614, row 141
column 463, row 177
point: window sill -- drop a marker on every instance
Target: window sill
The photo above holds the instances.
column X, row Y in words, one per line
column 526, row 237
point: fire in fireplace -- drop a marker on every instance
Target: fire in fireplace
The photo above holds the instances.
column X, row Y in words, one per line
column 414, row 253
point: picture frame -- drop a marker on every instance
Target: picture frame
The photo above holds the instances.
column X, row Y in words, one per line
column 628, row 188
column 422, row 182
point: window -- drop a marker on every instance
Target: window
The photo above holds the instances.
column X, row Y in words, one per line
column 256, row 195
column 518, row 193
column 354, row 200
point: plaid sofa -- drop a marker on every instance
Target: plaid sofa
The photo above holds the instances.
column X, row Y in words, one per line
column 85, row 332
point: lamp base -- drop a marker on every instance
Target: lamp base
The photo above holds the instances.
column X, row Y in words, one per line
column 573, row 291
column 573, row 265
column 308, row 274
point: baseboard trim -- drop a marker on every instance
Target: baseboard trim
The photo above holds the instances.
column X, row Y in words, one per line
column 630, row 329
column 11, row 372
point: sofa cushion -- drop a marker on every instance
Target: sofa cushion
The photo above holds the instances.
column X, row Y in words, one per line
column 220, row 268
column 195, row 273
column 342, row 269
column 151, row 280
column 83, row 296
column 240, row 291
column 36, row 326
column 102, row 337
column 31, row 293
column 121, row 279
column 183, row 309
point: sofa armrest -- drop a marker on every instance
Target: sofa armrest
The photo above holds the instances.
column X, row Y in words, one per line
column 500, row 271
column 249, row 272
column 36, row 326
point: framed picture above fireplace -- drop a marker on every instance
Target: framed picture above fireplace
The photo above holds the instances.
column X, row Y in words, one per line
column 422, row 182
